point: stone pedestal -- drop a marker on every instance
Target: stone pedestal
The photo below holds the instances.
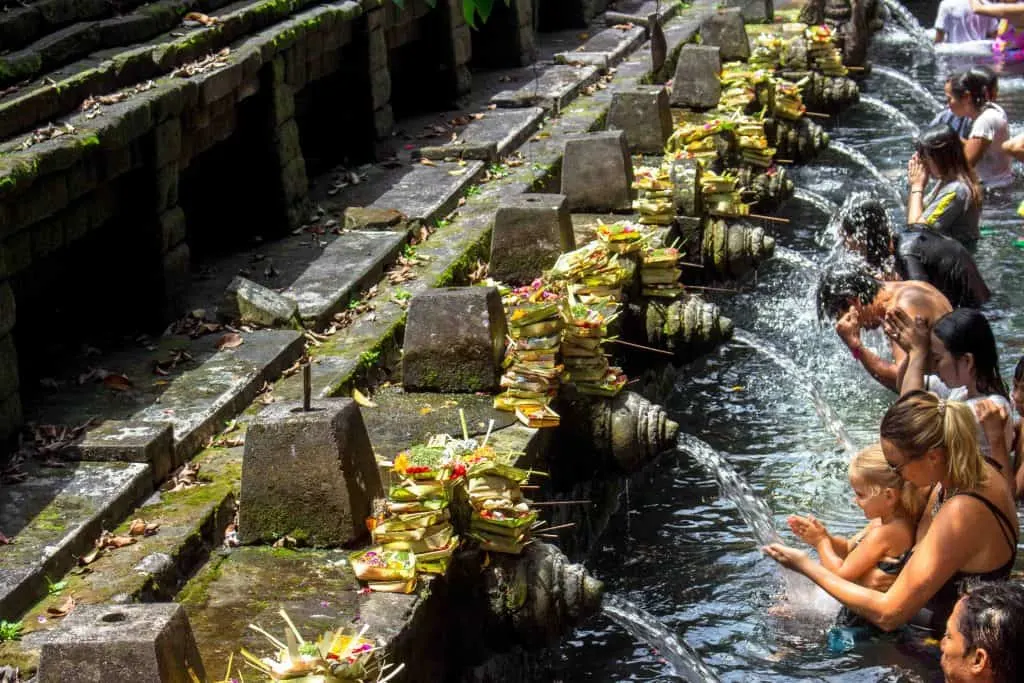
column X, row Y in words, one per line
column 724, row 30
column 530, row 232
column 454, row 340
column 309, row 475
column 126, row 441
column 104, row 643
column 597, row 172
column 251, row 302
column 755, row 11
column 696, row 82
column 644, row 114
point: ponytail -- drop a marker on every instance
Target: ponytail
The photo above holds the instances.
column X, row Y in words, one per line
column 960, row 437
column 920, row 421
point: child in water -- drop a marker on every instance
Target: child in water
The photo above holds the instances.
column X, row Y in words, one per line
column 879, row 549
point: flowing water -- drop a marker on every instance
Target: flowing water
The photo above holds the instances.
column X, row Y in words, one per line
column 858, row 157
column 923, row 96
column 823, row 204
column 891, row 113
column 908, row 22
column 691, row 560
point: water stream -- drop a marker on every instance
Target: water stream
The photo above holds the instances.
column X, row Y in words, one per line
column 770, row 415
column 645, row 627
column 891, row 112
column 906, row 19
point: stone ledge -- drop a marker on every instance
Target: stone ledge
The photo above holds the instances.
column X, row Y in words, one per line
column 428, row 193
column 348, row 265
column 53, row 97
column 613, row 43
column 491, row 137
column 553, row 89
column 54, row 516
column 198, row 402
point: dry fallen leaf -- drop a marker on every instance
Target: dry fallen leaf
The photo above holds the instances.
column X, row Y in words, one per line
column 201, row 18
column 117, row 382
column 231, row 340
column 90, row 556
column 362, row 400
column 63, row 609
column 426, row 410
column 140, row 527
column 427, row 162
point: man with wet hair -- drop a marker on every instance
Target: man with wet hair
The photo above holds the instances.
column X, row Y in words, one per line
column 866, row 230
column 984, row 639
column 850, row 293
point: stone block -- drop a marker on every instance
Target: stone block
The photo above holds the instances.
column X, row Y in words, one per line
column 380, row 87
column 11, row 416
column 166, row 143
column 176, row 272
column 8, row 366
column 696, row 82
column 724, row 30
column 597, row 172
column 251, row 302
column 8, row 309
column 141, row 642
column 530, row 232
column 454, row 340
column 132, row 441
column 46, row 196
column 166, row 179
column 310, row 475
column 173, row 228
column 283, row 101
column 383, row 122
column 18, row 250
column 47, row 237
column 644, row 114
column 287, row 143
column 294, row 184
column 755, row 11
column 372, row 218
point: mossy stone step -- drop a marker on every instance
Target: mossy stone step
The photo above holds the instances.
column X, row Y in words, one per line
column 54, row 515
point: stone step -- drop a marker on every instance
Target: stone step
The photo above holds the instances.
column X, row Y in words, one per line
column 491, row 137
column 198, row 402
column 552, row 90
column 54, row 515
column 607, row 48
column 429, row 192
column 347, row 266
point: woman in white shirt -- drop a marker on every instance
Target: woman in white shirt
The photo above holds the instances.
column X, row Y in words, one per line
column 961, row 350
column 970, row 93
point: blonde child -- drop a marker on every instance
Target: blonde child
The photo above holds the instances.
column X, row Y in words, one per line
column 878, row 552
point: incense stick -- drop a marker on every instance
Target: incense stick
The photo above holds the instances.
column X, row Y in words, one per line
column 641, row 346
column 817, row 114
column 776, row 219
column 561, row 502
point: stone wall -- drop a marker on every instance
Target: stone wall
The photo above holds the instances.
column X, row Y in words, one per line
column 174, row 161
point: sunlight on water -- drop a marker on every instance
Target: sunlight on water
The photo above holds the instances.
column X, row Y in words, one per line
column 910, row 24
column 795, row 258
column 922, row 94
column 647, row 628
column 829, row 418
column 865, row 163
column 823, row 204
column 891, row 112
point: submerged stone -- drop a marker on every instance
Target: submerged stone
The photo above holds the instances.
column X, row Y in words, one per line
column 310, row 474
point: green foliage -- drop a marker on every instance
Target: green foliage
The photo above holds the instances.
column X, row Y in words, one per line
column 471, row 9
column 473, row 191
column 369, row 358
column 10, row 630
column 55, row 588
column 401, row 294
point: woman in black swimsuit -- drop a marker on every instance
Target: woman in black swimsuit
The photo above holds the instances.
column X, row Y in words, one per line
column 968, row 530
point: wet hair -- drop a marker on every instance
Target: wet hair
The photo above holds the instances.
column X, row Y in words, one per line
column 966, row 330
column 941, row 144
column 975, row 83
column 870, row 466
column 866, row 222
column 920, row 421
column 926, row 255
column 992, row 619
column 1018, row 372
column 839, row 285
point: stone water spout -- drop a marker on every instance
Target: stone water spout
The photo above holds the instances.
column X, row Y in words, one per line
column 627, row 430
column 734, row 249
column 686, row 326
column 853, row 21
column 798, row 141
column 825, row 94
column 538, row 596
column 765, row 191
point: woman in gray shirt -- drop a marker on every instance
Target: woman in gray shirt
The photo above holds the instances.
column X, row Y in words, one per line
column 953, row 207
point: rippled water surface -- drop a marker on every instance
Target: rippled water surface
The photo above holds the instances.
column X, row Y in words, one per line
column 682, row 552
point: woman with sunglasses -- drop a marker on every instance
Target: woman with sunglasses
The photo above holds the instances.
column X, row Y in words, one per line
column 953, row 207
column 960, row 350
column 968, row 531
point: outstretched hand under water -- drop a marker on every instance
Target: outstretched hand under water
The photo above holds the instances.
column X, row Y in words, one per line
column 790, row 558
column 807, row 529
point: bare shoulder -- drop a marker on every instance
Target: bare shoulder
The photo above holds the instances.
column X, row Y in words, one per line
column 919, row 298
column 897, row 536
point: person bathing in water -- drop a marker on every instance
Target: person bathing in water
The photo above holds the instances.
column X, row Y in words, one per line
column 953, row 206
column 859, row 301
column 968, row 531
column 892, row 506
column 960, row 352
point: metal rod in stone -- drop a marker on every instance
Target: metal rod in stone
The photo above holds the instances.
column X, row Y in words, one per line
column 773, row 219
column 713, row 289
column 817, row 114
column 641, row 346
column 555, row 528
column 307, row 387
column 562, row 502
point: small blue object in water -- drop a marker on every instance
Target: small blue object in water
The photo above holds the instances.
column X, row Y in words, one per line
column 844, row 638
